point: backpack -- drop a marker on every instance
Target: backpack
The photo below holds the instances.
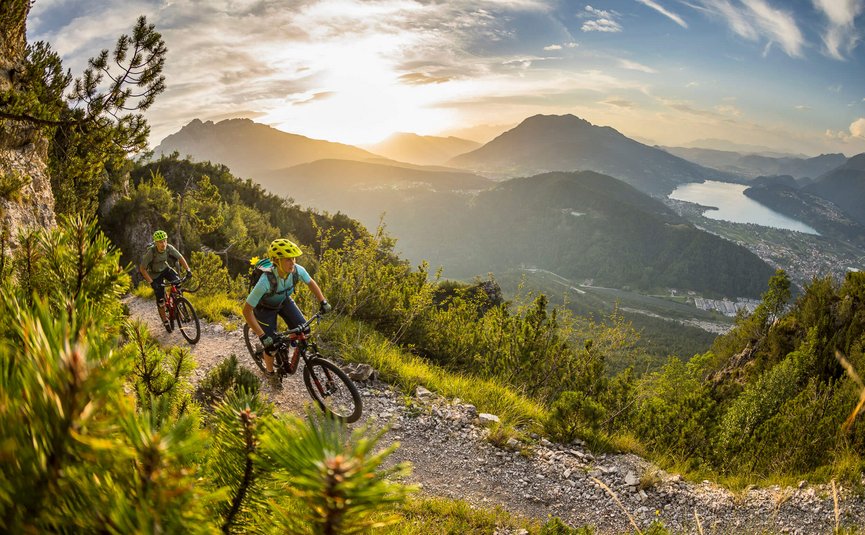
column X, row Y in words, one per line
column 265, row 267
column 151, row 247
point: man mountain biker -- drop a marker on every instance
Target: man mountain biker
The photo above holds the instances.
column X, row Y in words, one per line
column 265, row 302
column 156, row 268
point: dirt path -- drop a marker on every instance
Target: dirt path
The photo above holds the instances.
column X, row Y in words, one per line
column 446, row 443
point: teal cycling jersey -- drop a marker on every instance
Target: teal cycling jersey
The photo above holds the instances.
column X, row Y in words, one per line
column 284, row 288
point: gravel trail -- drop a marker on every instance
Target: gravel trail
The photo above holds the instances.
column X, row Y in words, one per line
column 445, row 440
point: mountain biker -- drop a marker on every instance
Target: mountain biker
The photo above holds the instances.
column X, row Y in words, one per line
column 156, row 268
column 263, row 304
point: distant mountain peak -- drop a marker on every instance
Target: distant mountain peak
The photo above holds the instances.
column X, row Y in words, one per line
column 248, row 148
column 543, row 143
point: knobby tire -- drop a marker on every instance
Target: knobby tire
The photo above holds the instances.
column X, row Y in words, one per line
column 337, row 396
column 187, row 320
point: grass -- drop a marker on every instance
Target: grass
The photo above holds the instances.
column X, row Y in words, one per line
column 360, row 343
column 444, row 516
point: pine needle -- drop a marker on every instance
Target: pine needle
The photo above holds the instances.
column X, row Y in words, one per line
column 697, row 518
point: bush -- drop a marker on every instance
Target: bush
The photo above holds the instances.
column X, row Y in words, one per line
column 226, row 378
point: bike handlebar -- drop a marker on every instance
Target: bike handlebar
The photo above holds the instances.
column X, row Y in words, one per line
column 184, row 278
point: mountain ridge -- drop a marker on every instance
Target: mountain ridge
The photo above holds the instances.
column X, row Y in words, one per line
column 546, row 143
column 247, row 147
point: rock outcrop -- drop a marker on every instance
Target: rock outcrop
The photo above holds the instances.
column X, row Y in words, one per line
column 23, row 146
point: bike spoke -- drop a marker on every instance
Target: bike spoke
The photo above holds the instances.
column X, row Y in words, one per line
column 332, row 390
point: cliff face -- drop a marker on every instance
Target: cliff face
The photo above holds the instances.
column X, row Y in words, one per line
column 23, row 147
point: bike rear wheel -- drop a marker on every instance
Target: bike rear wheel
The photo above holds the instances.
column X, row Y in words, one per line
column 187, row 320
column 332, row 389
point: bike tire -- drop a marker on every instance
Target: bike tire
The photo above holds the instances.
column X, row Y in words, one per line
column 251, row 341
column 187, row 320
column 256, row 351
column 332, row 389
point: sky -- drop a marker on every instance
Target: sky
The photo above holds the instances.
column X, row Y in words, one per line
column 781, row 75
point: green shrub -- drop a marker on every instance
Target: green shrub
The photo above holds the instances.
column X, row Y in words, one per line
column 226, row 378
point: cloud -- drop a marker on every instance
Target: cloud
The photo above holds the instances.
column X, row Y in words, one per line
column 315, row 97
column 840, row 36
column 634, row 66
column 802, row 107
column 618, row 102
column 419, row 78
column 663, row 11
column 756, row 20
column 729, row 110
column 600, row 20
column 550, row 48
column 857, row 128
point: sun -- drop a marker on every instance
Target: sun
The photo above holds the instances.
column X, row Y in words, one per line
column 359, row 97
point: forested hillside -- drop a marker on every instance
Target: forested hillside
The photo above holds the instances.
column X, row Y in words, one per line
column 103, row 431
column 203, row 206
column 590, row 226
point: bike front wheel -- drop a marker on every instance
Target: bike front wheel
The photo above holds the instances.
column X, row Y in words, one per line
column 332, row 389
column 187, row 320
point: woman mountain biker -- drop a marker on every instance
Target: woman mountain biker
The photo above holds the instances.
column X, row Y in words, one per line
column 156, row 268
column 264, row 303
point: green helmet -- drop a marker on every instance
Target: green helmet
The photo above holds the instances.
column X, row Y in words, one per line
column 160, row 235
column 282, row 248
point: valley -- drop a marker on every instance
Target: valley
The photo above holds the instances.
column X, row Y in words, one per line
column 659, row 262
column 803, row 256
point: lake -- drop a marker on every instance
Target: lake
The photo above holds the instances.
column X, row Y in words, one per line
column 732, row 205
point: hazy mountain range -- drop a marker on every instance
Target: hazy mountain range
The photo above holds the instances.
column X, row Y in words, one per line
column 753, row 165
column 583, row 225
column 422, row 150
column 567, row 143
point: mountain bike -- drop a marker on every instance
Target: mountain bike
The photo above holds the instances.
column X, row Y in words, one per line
column 329, row 386
column 179, row 310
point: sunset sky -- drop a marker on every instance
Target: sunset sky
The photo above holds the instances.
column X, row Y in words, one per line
column 786, row 75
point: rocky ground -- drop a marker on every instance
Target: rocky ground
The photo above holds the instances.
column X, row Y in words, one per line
column 446, row 442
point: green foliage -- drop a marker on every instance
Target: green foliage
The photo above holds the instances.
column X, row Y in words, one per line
column 227, row 378
column 675, row 414
column 357, row 342
column 363, row 281
column 574, row 414
column 237, row 435
column 555, row 526
column 340, row 480
column 443, row 516
column 160, row 378
column 78, row 456
column 92, row 132
column 11, row 183
column 233, row 217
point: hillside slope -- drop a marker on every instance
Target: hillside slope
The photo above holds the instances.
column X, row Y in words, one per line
column 591, row 226
column 844, row 186
column 452, row 457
